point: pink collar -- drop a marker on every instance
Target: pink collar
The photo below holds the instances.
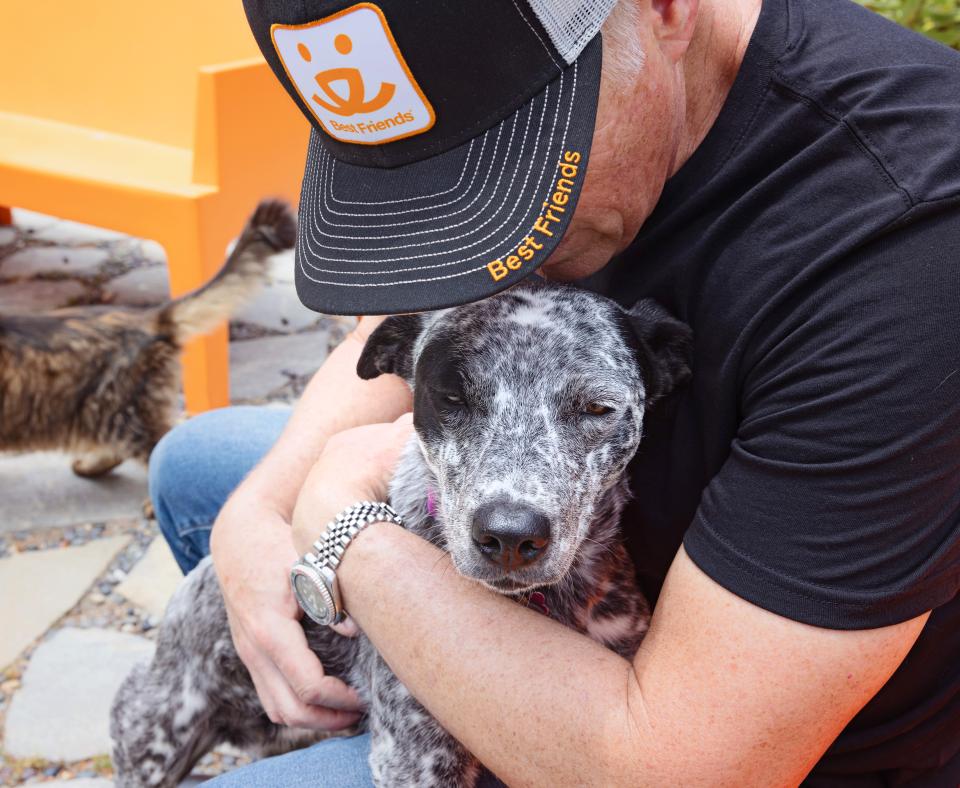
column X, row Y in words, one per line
column 537, row 601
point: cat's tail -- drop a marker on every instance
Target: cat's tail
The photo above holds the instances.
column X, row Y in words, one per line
column 271, row 229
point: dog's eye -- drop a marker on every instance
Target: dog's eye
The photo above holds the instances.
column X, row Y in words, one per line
column 453, row 400
column 596, row 409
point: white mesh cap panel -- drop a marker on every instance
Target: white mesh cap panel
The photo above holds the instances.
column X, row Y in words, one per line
column 571, row 24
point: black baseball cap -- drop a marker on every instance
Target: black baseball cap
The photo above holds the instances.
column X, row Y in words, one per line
column 449, row 144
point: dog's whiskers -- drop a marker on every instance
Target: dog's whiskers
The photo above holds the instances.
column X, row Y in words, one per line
column 601, row 545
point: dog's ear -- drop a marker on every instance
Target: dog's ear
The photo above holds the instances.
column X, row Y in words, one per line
column 666, row 347
column 389, row 349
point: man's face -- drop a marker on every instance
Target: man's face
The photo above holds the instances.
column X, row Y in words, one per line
column 639, row 121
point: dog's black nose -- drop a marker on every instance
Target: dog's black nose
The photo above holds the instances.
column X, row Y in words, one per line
column 510, row 534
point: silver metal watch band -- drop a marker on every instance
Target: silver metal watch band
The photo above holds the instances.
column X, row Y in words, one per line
column 330, row 547
column 314, row 577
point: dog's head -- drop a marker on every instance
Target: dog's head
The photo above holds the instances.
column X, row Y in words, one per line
column 528, row 407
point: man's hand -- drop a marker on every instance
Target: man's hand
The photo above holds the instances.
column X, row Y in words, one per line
column 253, row 551
column 356, row 465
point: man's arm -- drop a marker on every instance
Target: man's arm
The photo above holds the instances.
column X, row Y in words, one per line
column 253, row 550
column 721, row 692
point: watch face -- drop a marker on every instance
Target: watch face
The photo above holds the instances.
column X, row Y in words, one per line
column 311, row 598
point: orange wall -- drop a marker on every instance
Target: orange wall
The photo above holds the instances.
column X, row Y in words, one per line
column 138, row 61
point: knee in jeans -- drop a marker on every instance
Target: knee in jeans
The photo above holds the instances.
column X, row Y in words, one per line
column 166, row 460
column 174, row 463
column 197, row 465
column 174, row 466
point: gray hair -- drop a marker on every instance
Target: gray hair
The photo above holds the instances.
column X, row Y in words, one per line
column 621, row 38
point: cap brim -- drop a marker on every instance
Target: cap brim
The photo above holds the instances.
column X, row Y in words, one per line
column 453, row 228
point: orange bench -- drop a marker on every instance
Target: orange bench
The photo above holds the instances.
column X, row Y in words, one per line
column 160, row 120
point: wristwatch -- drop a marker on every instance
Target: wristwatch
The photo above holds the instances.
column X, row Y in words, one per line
column 314, row 577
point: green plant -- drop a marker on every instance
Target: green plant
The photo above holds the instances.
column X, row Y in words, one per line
column 939, row 19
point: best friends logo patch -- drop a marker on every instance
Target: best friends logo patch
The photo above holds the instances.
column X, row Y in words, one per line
column 349, row 72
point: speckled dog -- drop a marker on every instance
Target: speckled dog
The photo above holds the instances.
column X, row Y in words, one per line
column 528, row 407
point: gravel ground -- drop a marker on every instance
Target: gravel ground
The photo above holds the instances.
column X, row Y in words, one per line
column 99, row 608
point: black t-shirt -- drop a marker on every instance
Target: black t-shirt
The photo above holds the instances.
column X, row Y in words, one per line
column 813, row 465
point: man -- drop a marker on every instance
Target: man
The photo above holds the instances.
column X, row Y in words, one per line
column 784, row 178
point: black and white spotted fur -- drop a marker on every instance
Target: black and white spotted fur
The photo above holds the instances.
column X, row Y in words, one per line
column 535, row 396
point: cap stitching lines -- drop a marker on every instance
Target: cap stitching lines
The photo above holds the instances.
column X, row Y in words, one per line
column 328, row 180
column 466, row 192
column 492, row 196
column 477, row 213
column 534, row 30
column 479, row 194
column 302, row 240
column 412, row 199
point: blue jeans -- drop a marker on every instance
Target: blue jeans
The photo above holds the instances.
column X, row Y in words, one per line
column 193, row 471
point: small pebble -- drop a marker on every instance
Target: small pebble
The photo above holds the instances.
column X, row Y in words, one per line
column 97, row 598
column 27, row 773
column 51, row 771
column 86, row 774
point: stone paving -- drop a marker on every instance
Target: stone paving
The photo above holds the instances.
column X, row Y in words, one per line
column 84, row 576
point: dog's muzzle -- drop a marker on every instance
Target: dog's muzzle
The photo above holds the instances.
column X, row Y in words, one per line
column 510, row 535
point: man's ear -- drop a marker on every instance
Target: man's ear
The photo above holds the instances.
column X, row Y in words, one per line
column 389, row 349
column 666, row 348
column 674, row 22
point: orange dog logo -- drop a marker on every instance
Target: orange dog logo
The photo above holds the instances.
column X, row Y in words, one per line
column 354, row 102
column 350, row 74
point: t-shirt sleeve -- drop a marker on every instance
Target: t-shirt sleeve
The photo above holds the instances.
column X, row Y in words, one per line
column 839, row 504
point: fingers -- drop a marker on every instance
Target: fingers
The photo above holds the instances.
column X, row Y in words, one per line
column 391, row 440
column 283, row 707
column 304, row 673
column 307, row 697
column 347, row 628
column 402, row 429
